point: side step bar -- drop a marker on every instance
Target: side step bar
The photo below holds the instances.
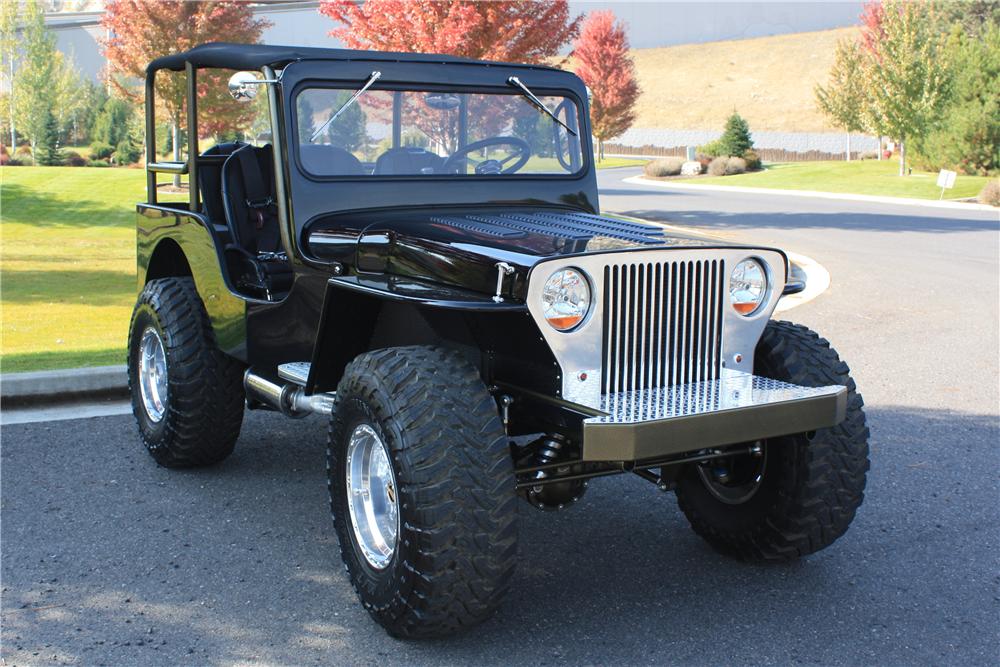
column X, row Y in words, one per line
column 289, row 398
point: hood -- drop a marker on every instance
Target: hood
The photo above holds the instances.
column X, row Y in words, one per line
column 462, row 248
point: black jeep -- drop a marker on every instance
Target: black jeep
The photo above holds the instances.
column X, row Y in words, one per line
column 411, row 245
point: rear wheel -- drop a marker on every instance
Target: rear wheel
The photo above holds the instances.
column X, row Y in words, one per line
column 422, row 490
column 187, row 395
column 785, row 497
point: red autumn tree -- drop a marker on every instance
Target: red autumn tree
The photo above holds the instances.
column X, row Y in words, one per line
column 872, row 30
column 142, row 30
column 604, row 64
column 526, row 31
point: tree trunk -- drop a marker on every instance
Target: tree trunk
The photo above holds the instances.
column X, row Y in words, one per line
column 879, row 151
column 902, row 157
column 176, row 134
column 10, row 95
column 848, row 146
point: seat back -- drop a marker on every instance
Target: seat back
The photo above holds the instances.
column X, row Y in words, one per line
column 327, row 160
column 248, row 199
column 407, row 160
column 210, row 178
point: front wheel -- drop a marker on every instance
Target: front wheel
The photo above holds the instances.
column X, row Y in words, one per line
column 784, row 497
column 422, row 490
column 187, row 395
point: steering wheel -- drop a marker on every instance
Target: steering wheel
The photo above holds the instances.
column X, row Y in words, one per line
column 521, row 155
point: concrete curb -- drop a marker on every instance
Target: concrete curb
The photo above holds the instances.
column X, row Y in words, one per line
column 902, row 201
column 47, row 386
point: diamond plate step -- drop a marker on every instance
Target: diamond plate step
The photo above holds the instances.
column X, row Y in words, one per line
column 295, row 371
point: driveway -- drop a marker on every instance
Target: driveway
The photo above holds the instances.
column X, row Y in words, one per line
column 108, row 559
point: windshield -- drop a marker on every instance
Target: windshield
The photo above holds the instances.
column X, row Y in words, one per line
column 430, row 133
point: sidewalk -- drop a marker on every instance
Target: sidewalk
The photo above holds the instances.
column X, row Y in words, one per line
column 903, row 201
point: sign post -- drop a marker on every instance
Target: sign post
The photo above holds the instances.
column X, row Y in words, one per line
column 945, row 181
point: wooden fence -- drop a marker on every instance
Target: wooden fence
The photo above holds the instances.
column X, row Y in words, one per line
column 766, row 154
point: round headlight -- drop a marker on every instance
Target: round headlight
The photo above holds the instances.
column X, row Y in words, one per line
column 566, row 299
column 748, row 286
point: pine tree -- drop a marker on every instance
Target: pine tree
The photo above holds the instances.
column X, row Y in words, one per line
column 47, row 144
column 735, row 139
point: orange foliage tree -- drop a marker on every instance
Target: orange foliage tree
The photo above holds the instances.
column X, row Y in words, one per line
column 604, row 64
column 141, row 30
column 526, row 31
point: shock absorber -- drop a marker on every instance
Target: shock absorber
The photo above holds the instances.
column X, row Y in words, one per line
column 553, row 496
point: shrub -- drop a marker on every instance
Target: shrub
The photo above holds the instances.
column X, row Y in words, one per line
column 98, row 163
column 665, row 166
column 15, row 162
column 704, row 160
column 711, row 149
column 24, row 150
column 990, row 194
column 717, row 167
column 752, row 159
column 100, row 150
column 127, row 152
column 74, row 159
column 735, row 165
column 869, row 155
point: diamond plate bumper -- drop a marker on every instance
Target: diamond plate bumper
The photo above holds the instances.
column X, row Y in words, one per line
column 738, row 407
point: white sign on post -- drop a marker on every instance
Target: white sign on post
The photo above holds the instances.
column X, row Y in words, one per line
column 946, row 181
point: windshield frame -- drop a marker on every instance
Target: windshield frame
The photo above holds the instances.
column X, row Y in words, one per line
column 500, row 88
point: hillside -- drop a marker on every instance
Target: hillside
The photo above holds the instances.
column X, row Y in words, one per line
column 769, row 80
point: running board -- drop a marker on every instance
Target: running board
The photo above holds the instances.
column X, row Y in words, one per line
column 290, row 399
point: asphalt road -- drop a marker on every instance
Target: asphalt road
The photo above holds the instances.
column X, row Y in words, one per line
column 108, row 559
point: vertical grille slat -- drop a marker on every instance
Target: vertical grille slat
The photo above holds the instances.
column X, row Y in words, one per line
column 662, row 324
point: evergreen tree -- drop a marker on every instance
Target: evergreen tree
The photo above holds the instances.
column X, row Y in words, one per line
column 112, row 123
column 967, row 135
column 735, row 139
column 47, row 144
column 304, row 117
column 350, row 130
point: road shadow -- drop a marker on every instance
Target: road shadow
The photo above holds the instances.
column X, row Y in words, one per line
column 110, row 559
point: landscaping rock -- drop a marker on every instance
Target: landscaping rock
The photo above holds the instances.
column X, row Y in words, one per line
column 692, row 168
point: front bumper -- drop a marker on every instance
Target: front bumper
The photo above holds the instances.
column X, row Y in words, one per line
column 738, row 407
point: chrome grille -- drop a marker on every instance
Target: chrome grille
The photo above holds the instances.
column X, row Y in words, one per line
column 662, row 324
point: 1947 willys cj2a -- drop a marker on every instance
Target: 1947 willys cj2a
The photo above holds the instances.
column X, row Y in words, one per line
column 412, row 246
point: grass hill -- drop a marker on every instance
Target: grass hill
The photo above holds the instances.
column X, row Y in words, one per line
column 769, row 80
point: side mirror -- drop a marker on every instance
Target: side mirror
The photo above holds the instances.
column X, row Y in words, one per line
column 243, row 86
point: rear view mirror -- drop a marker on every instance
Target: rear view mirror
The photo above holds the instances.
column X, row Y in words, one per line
column 243, row 86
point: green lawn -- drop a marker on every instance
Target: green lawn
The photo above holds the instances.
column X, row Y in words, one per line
column 612, row 162
column 67, row 249
column 862, row 177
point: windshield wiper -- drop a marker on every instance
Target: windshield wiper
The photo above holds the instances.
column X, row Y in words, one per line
column 514, row 81
column 375, row 76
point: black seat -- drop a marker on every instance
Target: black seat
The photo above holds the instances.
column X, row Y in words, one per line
column 210, row 179
column 327, row 160
column 408, row 160
column 252, row 216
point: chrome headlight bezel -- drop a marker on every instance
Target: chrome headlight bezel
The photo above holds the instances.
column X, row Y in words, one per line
column 567, row 299
column 749, row 285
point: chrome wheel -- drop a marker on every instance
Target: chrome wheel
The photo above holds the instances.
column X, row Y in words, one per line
column 153, row 374
column 372, row 496
column 735, row 480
